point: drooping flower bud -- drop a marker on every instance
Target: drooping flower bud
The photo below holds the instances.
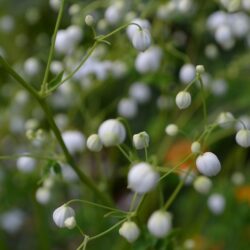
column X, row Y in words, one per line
column 141, row 140
column 130, row 231
column 94, row 143
column 195, row 147
column 112, row 132
column 61, row 214
column 243, row 138
column 160, row 223
column 208, row 164
column 141, row 39
column 142, row 178
column 183, row 99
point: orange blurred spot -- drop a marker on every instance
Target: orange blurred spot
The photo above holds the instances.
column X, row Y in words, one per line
column 243, row 193
column 177, row 152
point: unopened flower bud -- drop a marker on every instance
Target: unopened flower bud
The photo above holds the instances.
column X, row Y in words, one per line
column 171, row 129
column 112, row 132
column 141, row 140
column 89, row 20
column 160, row 223
column 61, row 214
column 74, row 141
column 142, row 178
column 208, row 164
column 225, row 119
column 183, row 99
column 26, row 164
column 195, row 147
column 243, row 138
column 70, row 222
column 141, row 39
column 130, row 231
column 94, row 143
column 200, row 69
column 202, row 184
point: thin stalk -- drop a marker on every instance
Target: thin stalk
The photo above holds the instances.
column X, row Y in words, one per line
column 203, row 100
column 52, row 49
column 124, row 153
column 107, row 231
column 176, row 191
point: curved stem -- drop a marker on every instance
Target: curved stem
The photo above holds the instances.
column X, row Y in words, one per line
column 52, row 48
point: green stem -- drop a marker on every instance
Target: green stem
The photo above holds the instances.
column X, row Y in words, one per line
column 203, row 100
column 52, row 49
column 176, row 191
column 107, row 231
column 84, row 178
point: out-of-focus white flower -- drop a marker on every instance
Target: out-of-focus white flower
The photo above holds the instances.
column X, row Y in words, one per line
column 114, row 14
column 94, row 143
column 142, row 178
column 26, row 164
column 32, row 66
column 130, row 231
column 7, row 23
column 172, row 129
column 112, row 132
column 89, row 20
column 211, row 51
column 160, row 223
column 208, row 164
column 243, row 123
column 243, row 138
column 43, row 195
column 74, row 141
column 237, row 178
column 225, row 119
column 140, row 92
column 61, row 214
column 149, row 60
column 195, row 147
column 127, row 107
column 187, row 73
column 56, row 67
column 55, row 4
column 203, row 184
column 70, row 222
column 216, row 203
column 219, row 87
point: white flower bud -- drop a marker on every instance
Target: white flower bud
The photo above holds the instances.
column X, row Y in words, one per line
column 43, row 195
column 160, row 223
column 130, row 231
column 56, row 67
column 208, row 164
column 141, row 39
column 202, row 184
column 171, row 129
column 225, row 119
column 142, row 178
column 70, row 222
column 112, row 132
column 195, row 147
column 94, row 143
column 216, row 203
column 89, row 20
column 133, row 28
column 200, row 69
column 113, row 14
column 61, row 214
column 187, row 73
column 141, row 140
column 26, row 164
column 74, row 141
column 183, row 99
column 243, row 138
